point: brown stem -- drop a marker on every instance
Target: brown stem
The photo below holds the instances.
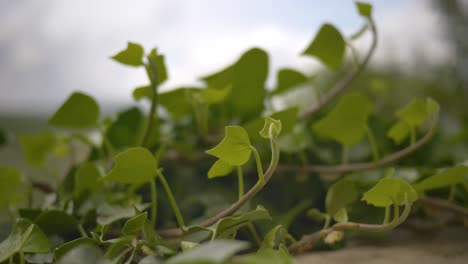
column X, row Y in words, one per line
column 352, row 167
column 444, row 204
column 42, row 186
column 347, row 80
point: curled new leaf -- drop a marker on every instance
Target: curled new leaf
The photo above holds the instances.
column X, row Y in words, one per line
column 364, row 9
column 271, row 125
column 328, row 46
column 235, row 148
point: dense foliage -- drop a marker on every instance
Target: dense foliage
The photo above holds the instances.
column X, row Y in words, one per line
column 159, row 187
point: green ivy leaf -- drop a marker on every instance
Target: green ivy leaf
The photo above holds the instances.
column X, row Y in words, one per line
column 135, row 165
column 347, row 122
column 234, row 149
column 135, row 224
column 213, row 252
column 446, row 178
column 56, row 222
column 328, row 46
column 25, row 237
column 37, row 147
column 131, row 56
column 228, row 225
column 399, row 131
column 273, row 238
column 274, row 124
column 142, row 92
column 339, row 195
column 364, row 9
column 179, row 102
column 386, row 189
column 11, row 187
column 287, row 79
column 246, row 77
column 414, row 114
column 87, row 178
column 85, row 253
column 107, row 214
column 125, row 130
column 157, row 66
column 78, row 111
column 214, row 96
column 219, row 168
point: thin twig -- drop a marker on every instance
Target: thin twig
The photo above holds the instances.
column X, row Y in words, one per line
column 444, row 204
column 153, row 76
column 352, row 167
column 347, row 80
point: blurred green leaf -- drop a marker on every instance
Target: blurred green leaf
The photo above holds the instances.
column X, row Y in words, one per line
column 87, row 178
column 364, row 9
column 246, row 77
column 234, row 149
column 3, row 137
column 414, row 114
column 287, row 79
column 316, row 215
column 219, row 168
column 214, row 96
column 25, row 237
column 56, row 222
column 339, row 195
column 131, row 56
column 267, row 256
column 228, row 225
column 37, row 147
column 108, row 214
column 66, row 247
column 347, row 122
column 389, row 189
column 399, row 131
column 142, row 92
column 448, row 177
column 328, row 46
column 11, row 187
column 213, row 252
column 78, row 111
column 85, row 253
column 135, row 165
column 273, row 238
column 135, row 224
column 295, row 141
column 157, row 66
column 179, row 102
column 125, row 131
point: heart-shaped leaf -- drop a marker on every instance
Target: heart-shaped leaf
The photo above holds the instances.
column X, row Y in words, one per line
column 287, row 79
column 131, row 56
column 339, row 195
column 11, row 187
column 79, row 111
column 446, row 178
column 226, row 226
column 328, row 46
column 219, row 168
column 135, row 224
column 364, row 9
column 87, row 178
column 135, row 165
column 234, row 149
column 124, row 131
column 347, row 122
column 388, row 190
column 157, row 66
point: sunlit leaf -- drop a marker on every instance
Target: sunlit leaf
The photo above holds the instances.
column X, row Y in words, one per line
column 25, row 237
column 287, row 79
column 219, row 168
column 234, row 149
column 11, row 187
column 388, row 190
column 347, row 122
column 339, row 195
column 328, row 46
column 228, row 225
column 364, row 9
column 125, row 130
column 213, row 252
column 446, row 178
column 135, row 165
column 79, row 111
column 246, row 77
column 135, row 224
column 36, row 147
column 131, row 56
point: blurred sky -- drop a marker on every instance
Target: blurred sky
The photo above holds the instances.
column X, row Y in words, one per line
column 48, row 49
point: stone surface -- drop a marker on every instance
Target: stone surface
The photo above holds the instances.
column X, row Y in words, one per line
column 449, row 246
